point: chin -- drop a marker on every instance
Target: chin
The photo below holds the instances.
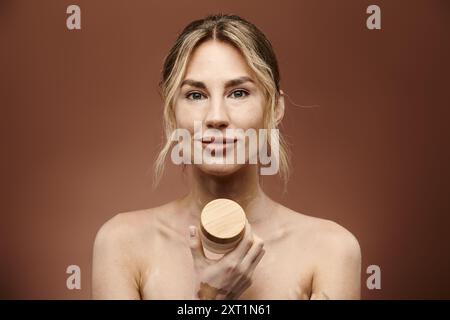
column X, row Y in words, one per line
column 220, row 170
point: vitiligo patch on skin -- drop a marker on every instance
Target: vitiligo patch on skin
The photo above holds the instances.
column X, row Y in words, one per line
column 208, row 292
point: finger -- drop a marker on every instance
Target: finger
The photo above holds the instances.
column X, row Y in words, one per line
column 255, row 262
column 247, row 271
column 195, row 244
column 240, row 288
column 253, row 253
column 238, row 253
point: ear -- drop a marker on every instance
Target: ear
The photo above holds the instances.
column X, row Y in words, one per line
column 279, row 109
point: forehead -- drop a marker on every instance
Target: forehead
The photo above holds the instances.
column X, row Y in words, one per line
column 217, row 60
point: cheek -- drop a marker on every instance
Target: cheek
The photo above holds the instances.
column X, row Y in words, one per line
column 185, row 116
column 252, row 116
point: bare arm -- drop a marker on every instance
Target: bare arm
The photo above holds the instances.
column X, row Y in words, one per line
column 338, row 271
column 114, row 275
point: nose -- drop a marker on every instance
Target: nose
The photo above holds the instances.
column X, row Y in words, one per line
column 217, row 117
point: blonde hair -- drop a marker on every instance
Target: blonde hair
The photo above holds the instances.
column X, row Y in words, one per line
column 259, row 55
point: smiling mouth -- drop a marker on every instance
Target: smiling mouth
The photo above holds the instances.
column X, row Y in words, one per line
column 218, row 141
column 218, row 144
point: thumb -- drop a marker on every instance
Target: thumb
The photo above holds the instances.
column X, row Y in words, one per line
column 195, row 244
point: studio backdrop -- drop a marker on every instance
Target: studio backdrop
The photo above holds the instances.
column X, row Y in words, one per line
column 366, row 120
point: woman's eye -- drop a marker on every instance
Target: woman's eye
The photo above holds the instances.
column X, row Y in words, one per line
column 194, row 96
column 239, row 94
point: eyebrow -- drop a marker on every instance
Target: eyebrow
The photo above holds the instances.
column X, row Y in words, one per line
column 228, row 84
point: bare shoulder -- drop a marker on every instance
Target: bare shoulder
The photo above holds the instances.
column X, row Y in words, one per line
column 326, row 243
column 120, row 246
column 327, row 237
column 126, row 230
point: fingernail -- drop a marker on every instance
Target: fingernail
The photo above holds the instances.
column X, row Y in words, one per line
column 192, row 231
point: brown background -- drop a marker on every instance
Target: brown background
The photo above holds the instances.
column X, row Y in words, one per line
column 81, row 125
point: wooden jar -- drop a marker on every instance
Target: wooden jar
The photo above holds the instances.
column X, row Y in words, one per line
column 222, row 225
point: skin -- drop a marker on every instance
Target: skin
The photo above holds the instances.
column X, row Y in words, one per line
column 149, row 254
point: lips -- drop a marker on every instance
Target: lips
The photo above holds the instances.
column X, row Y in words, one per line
column 218, row 140
column 218, row 144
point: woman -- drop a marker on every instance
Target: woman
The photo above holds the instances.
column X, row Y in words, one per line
column 223, row 72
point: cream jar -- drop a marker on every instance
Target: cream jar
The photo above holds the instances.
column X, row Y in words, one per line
column 222, row 225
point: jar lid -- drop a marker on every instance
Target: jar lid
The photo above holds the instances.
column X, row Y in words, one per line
column 223, row 221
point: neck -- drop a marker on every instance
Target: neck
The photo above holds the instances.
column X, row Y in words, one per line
column 242, row 186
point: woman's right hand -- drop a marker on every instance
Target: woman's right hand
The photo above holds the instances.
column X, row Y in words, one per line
column 228, row 277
